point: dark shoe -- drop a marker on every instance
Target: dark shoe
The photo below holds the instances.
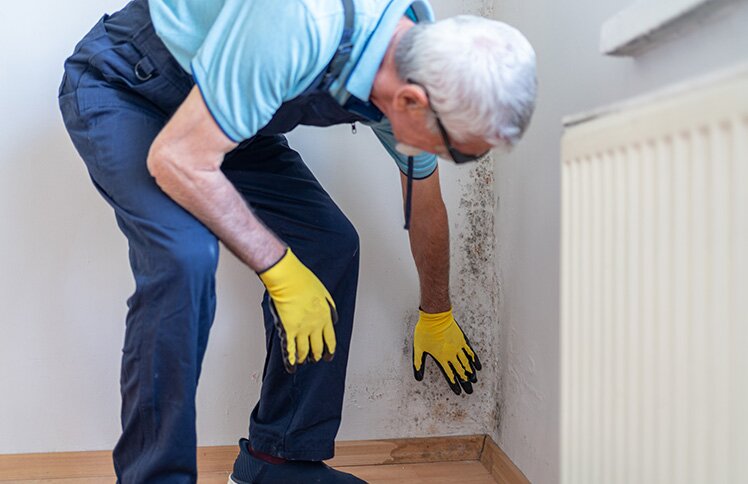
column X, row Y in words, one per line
column 248, row 469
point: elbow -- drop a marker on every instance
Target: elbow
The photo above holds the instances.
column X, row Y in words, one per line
column 167, row 168
column 175, row 169
column 158, row 162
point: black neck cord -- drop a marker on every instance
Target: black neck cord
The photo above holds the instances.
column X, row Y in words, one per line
column 409, row 193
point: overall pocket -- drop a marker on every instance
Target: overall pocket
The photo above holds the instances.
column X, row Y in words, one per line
column 123, row 65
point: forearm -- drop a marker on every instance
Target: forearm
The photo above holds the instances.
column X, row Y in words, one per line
column 185, row 159
column 429, row 241
column 212, row 199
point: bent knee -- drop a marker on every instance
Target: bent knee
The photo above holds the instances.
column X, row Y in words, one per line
column 194, row 258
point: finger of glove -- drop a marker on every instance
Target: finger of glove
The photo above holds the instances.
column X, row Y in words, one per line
column 302, row 348
column 289, row 344
column 451, row 379
column 476, row 360
column 473, row 372
column 466, row 385
column 285, row 346
column 328, row 334
column 328, row 296
column 464, row 378
column 419, row 364
column 467, row 366
column 459, row 370
column 333, row 310
column 317, row 345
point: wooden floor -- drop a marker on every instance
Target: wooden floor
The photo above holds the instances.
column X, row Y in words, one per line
column 463, row 472
column 437, row 460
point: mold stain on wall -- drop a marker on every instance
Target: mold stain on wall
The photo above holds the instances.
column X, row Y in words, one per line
column 429, row 407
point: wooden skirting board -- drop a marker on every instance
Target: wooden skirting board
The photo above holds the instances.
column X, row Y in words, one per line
column 87, row 465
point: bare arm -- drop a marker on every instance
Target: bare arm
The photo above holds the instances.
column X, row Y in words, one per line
column 185, row 159
column 429, row 242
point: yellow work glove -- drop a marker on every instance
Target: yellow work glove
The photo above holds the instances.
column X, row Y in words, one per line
column 439, row 335
column 303, row 310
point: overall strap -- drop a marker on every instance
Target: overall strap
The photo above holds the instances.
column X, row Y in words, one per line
column 343, row 53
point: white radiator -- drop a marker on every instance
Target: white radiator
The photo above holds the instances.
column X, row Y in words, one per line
column 654, row 289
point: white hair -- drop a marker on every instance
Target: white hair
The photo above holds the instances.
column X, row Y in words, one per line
column 479, row 74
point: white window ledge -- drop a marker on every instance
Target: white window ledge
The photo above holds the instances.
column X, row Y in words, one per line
column 648, row 22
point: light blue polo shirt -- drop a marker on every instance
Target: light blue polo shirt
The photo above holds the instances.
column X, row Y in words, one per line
column 250, row 56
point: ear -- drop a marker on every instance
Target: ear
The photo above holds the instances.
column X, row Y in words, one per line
column 410, row 97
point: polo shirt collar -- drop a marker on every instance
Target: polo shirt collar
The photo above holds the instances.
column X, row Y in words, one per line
column 361, row 79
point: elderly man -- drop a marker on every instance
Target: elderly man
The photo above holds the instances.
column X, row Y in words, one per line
column 178, row 109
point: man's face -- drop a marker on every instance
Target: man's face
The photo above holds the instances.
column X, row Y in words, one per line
column 409, row 117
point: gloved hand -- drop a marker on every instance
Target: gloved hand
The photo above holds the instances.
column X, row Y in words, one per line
column 439, row 335
column 303, row 310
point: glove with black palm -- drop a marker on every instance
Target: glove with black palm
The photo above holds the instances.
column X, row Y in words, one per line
column 303, row 310
column 439, row 336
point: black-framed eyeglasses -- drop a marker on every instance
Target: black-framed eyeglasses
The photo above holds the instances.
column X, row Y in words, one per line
column 457, row 155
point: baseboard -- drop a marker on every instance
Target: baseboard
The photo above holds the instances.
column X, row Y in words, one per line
column 499, row 465
column 407, row 451
column 86, row 465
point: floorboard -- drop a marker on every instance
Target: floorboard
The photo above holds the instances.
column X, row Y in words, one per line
column 463, row 472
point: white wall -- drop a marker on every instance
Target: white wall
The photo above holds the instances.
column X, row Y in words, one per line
column 65, row 276
column 573, row 77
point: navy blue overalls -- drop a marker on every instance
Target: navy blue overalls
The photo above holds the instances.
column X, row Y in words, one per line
column 121, row 86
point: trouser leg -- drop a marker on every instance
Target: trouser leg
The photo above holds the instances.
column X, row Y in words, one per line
column 173, row 259
column 168, row 322
column 298, row 416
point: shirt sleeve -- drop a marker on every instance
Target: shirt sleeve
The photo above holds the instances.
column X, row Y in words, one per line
column 424, row 164
column 256, row 55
